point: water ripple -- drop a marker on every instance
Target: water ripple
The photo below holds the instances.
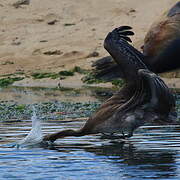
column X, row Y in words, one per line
column 153, row 152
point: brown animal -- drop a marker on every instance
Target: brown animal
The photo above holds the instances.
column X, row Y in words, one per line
column 144, row 98
column 162, row 42
column 161, row 49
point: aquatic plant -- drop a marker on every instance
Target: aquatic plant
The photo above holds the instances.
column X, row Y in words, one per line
column 80, row 70
column 66, row 73
column 90, row 79
column 47, row 110
column 9, row 80
column 118, row 82
column 40, row 75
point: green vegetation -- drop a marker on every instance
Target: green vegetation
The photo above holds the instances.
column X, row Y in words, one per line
column 65, row 89
column 8, row 81
column 90, row 79
column 7, row 62
column 20, row 73
column 118, row 82
column 69, row 24
column 10, row 111
column 16, row 73
column 20, row 107
column 61, row 74
column 6, row 75
column 66, row 73
column 41, row 75
column 80, row 70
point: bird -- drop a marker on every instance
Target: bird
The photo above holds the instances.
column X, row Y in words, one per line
column 160, row 51
column 144, row 98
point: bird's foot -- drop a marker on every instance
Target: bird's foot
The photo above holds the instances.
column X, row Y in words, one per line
column 125, row 136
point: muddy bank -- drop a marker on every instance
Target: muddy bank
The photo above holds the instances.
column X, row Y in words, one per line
column 76, row 82
column 53, row 36
column 59, row 35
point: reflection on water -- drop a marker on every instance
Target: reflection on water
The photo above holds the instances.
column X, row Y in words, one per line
column 152, row 153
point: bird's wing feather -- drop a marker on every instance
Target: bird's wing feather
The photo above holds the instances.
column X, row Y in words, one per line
column 129, row 59
column 161, row 98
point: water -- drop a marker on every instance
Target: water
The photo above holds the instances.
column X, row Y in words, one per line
column 35, row 135
column 152, row 153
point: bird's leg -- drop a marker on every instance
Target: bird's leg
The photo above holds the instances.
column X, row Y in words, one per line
column 130, row 134
column 107, row 135
column 124, row 136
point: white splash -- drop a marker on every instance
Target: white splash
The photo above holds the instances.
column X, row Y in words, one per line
column 35, row 135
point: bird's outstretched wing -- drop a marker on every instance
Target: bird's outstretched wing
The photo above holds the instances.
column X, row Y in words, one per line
column 161, row 98
column 106, row 68
column 129, row 59
column 174, row 10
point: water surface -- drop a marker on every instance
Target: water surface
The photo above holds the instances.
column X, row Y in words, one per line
column 152, row 153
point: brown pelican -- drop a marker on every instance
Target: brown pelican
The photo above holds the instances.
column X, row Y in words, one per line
column 161, row 49
column 144, row 98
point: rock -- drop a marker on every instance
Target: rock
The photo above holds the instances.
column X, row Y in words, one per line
column 21, row 2
column 93, row 54
column 52, row 22
column 55, row 52
column 16, row 41
column 36, row 52
column 132, row 10
column 69, row 24
column 42, row 41
column 7, row 63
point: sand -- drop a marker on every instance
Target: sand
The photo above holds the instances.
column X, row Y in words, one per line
column 50, row 36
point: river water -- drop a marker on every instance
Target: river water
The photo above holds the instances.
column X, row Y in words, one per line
column 152, row 153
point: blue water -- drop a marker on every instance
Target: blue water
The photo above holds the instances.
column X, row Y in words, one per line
column 152, row 153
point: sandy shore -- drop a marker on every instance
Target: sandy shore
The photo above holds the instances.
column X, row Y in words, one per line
column 57, row 35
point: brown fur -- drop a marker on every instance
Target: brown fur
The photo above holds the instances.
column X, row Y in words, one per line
column 162, row 33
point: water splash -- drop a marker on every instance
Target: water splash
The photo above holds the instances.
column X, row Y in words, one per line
column 35, row 135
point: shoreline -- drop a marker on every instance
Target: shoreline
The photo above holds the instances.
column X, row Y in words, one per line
column 53, row 37
column 76, row 83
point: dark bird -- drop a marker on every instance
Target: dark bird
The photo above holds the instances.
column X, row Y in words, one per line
column 161, row 49
column 144, row 99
